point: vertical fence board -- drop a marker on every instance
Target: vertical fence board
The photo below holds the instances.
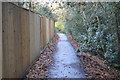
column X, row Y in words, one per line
column 47, row 30
column 44, row 30
column 41, row 33
column 25, row 38
column 17, row 41
column 8, row 42
column 34, row 35
column 37, row 35
column 0, row 40
column 52, row 28
column 4, row 39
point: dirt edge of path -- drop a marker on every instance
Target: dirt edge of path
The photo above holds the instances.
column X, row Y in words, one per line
column 93, row 66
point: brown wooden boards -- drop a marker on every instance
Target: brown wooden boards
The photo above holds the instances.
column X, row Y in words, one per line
column 0, row 40
column 52, row 23
column 32, row 35
column 34, row 21
column 43, row 22
column 15, row 40
column 22, row 35
column 41, row 33
column 8, row 41
column 25, row 38
column 47, row 30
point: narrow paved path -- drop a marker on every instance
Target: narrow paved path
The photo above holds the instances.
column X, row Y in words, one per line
column 66, row 63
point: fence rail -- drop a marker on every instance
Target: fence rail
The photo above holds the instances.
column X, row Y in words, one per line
column 23, row 35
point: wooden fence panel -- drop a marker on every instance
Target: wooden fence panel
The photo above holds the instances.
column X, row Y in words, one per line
column 34, row 35
column 43, row 22
column 37, row 35
column 15, row 40
column 8, row 41
column 22, row 34
column 41, row 34
column 0, row 40
column 25, row 38
column 52, row 28
column 44, row 32
column 47, row 30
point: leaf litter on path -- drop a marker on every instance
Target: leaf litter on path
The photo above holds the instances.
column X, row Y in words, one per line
column 39, row 69
column 93, row 66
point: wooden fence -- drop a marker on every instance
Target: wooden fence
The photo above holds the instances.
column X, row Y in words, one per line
column 23, row 34
column 1, row 40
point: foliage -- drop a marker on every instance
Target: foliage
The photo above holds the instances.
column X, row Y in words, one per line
column 45, row 11
column 42, row 9
column 95, row 26
column 59, row 26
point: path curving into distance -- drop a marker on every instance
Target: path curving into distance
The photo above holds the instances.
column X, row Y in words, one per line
column 66, row 64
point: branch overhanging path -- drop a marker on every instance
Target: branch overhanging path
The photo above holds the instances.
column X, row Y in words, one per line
column 66, row 64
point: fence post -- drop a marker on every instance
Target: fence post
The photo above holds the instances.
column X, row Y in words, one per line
column 47, row 30
column 0, row 40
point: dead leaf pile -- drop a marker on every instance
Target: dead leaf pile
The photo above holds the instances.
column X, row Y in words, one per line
column 93, row 66
column 72, row 41
column 39, row 69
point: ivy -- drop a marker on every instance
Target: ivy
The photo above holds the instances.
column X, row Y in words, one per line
column 94, row 27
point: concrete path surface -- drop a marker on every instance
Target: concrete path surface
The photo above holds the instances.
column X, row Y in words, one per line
column 66, row 64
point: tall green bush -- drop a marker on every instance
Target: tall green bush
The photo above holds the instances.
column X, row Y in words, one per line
column 95, row 26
